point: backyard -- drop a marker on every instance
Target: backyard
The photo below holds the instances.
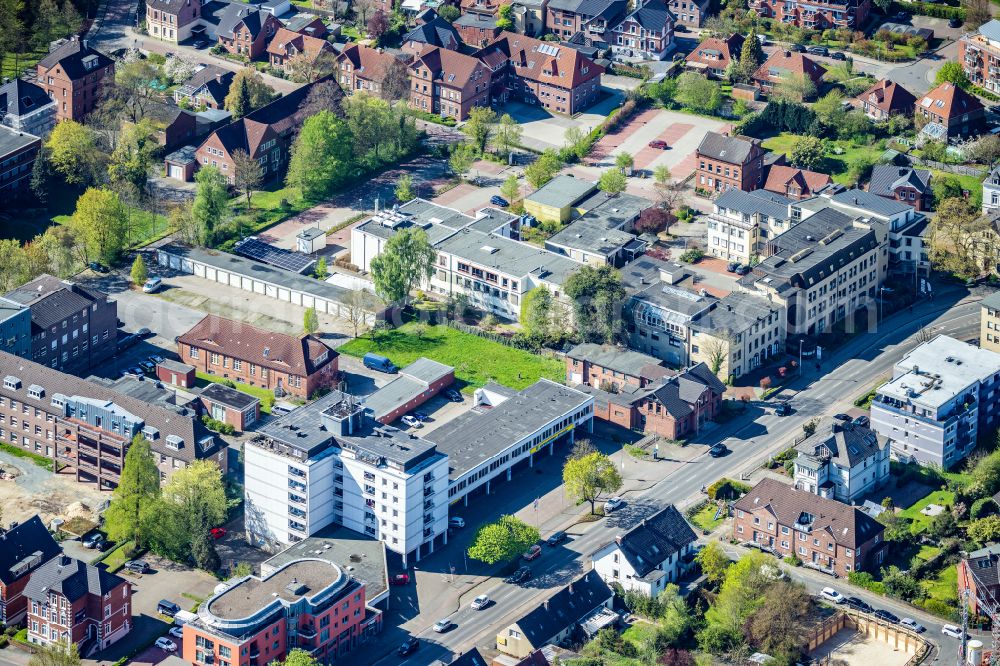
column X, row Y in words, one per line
column 921, row 522
column 265, row 396
column 839, row 154
column 476, row 360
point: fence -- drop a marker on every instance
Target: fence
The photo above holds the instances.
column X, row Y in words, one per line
column 899, row 638
column 959, row 169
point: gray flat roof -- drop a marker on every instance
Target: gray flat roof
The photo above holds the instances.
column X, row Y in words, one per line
column 562, row 191
column 591, row 235
column 302, row 428
column 393, row 395
column 674, row 299
column 479, row 434
column 491, row 219
column 229, row 397
column 298, row 579
column 734, row 314
column 938, row 370
column 176, row 366
column 11, row 140
column 509, row 256
column 426, row 370
column 613, row 211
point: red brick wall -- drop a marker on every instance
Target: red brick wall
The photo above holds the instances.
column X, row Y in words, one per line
column 244, row 43
column 596, row 375
column 745, row 177
column 12, row 599
column 256, row 375
column 432, row 390
column 74, row 98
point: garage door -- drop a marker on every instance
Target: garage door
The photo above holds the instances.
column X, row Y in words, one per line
column 175, row 172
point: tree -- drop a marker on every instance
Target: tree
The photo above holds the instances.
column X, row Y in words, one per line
column 807, row 153
column 503, row 540
column 462, row 157
column 100, row 220
column 404, row 188
column 652, row 221
column 778, row 624
column 211, row 202
column 985, row 151
column 961, row 240
column 511, row 188
column 576, row 142
column 985, row 530
column 321, row 271
column 883, row 6
column 203, row 550
column 139, row 273
column 809, row 427
column 358, row 310
column 372, row 124
column 378, row 25
column 73, row 153
column 362, row 10
column 306, row 67
column 952, row 72
column 741, row 594
column 310, row 321
column 449, row 13
column 323, row 96
column 504, row 20
column 977, row 12
column 586, row 478
column 716, row 352
column 247, row 174
column 624, row 161
column 127, row 517
column 698, row 92
column 198, row 494
column 830, row 108
column 57, row 654
column 240, row 570
column 247, row 93
column 407, row 259
column 299, row 657
column 480, row 126
column 536, row 312
column 394, row 83
column 901, row 583
column 128, row 168
column 794, row 87
column 596, row 294
column 133, row 86
column 508, row 132
column 322, row 156
column 612, row 181
column 714, row 562
column 751, row 55
column 543, row 169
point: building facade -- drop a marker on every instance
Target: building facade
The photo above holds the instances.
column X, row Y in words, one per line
column 951, row 113
column 361, row 67
column 448, row 83
column 849, row 14
column 782, row 64
column 286, row 45
column 713, row 55
column 23, row 549
column 979, row 55
column 229, row 406
column 741, row 332
column 979, row 580
column 611, row 368
column 903, row 184
column 729, row 162
column 886, row 99
column 989, row 323
column 647, row 33
column 26, row 107
column 741, row 224
column 842, row 461
column 249, row 34
column 17, row 158
column 689, row 12
column 72, row 74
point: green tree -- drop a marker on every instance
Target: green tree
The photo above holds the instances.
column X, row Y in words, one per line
column 675, row 617
column 985, row 530
column 404, row 188
column 586, row 478
column 199, row 496
column 322, row 156
column 247, row 174
column 511, row 188
column 57, row 654
column 576, row 142
column 449, row 13
column 830, row 108
column 741, row 594
column 407, row 259
column 127, row 517
column 596, row 294
column 794, row 87
column 299, row 657
column 247, row 93
column 543, row 169
column 612, row 181
column 698, row 92
column 133, row 156
column 807, row 152
column 133, row 87
column 240, row 570
column 883, row 6
column 211, row 202
column 203, row 550
column 462, row 157
column 322, row 272
column 480, row 126
column 100, row 220
column 779, row 622
column 714, row 562
column 503, row 540
column 139, row 273
column 504, row 20
column 508, row 132
column 960, row 238
column 751, row 55
column 624, row 161
column 536, row 311
column 372, row 124
column 73, row 153
column 310, row 321
column 952, row 72
column 901, row 583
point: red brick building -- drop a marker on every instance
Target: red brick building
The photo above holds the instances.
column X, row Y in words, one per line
column 287, row 44
column 361, row 67
column 979, row 575
column 729, row 163
column 713, row 55
column 229, row 406
column 959, row 112
column 72, row 75
column 850, row 14
column 298, row 365
column 172, row 373
column 72, row 601
column 904, row 184
column 782, row 64
column 416, row 384
column 248, row 32
column 825, row 534
column 448, row 83
column 612, row 368
column 795, row 183
column 308, row 604
column 885, row 99
column 23, row 549
column 477, row 30
column 565, row 18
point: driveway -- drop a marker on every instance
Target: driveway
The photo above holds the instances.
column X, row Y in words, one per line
column 542, row 130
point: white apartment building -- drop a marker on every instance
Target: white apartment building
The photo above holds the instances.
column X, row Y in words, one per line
column 842, row 461
column 741, row 223
column 941, row 395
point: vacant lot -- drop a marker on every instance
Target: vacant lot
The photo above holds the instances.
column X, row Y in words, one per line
column 476, row 360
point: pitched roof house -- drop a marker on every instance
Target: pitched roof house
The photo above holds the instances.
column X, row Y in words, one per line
column 795, row 183
column 784, row 63
column 729, row 163
column 208, row 86
column 649, row 556
column 286, row 44
column 247, row 31
column 904, row 184
column 951, row 112
column 647, row 32
column 26, row 107
column 714, row 54
column 886, row 98
column 612, row 367
column 72, row 74
column 433, row 31
column 842, row 461
column 23, row 548
column 979, row 575
column 361, row 67
column 448, row 83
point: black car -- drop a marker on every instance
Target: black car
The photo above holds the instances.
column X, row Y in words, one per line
column 742, row 269
column 718, row 450
column 862, row 421
column 453, row 395
column 819, row 50
column 556, row 539
column 858, row 605
column 841, row 417
column 838, row 55
column 137, row 566
column 732, row 266
column 783, row 409
column 519, row 576
column 98, row 267
column 955, row 23
column 409, row 646
column 886, row 615
column 797, row 48
column 499, row 201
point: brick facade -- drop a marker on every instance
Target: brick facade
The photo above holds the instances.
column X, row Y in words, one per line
column 72, row 75
column 850, row 14
column 448, row 83
column 718, row 174
column 251, row 43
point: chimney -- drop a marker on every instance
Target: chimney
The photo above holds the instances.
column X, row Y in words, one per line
column 570, row 588
column 64, row 560
column 218, row 78
column 788, row 54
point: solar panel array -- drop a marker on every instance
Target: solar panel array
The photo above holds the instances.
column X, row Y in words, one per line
column 253, row 248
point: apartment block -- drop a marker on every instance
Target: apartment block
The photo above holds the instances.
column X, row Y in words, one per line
column 729, row 162
column 72, row 74
column 979, row 54
column 448, row 83
column 26, row 107
column 23, row 549
column 849, row 14
column 842, row 461
column 989, row 323
column 17, row 159
column 740, row 331
column 741, row 224
column 15, row 328
column 941, row 396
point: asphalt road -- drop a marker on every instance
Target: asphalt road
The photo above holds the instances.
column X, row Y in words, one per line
column 860, row 365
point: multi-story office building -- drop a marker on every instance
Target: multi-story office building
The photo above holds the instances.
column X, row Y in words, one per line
column 849, row 14
column 739, row 332
column 842, row 461
column 73, row 328
column 941, row 396
column 658, row 319
column 308, row 604
column 979, row 54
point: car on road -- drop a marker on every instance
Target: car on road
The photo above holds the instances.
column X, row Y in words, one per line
column 783, row 409
column 818, row 50
column 862, row 421
column 98, row 267
column 499, row 201
column 838, row 55
column 886, row 616
column 176, row 632
column 830, row 594
column 841, row 417
column 913, row 625
column 519, row 576
column 94, row 540
column 718, row 450
column 453, row 395
column 148, row 366
column 556, row 539
column 952, row 630
column 858, row 604
column 481, row 602
column 409, row 646
column 217, row 532
column 456, row 521
column 612, row 504
column 442, row 626
column 166, row 644
column 659, row 144
column 400, row 579
column 411, row 421
column 532, row 553
column 955, row 23
column 137, row 566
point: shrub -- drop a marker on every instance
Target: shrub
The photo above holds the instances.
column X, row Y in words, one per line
column 793, row 561
column 217, row 426
column 692, row 256
column 985, row 506
column 727, row 489
column 866, row 580
column 4, row 641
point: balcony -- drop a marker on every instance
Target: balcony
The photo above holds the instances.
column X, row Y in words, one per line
column 428, row 492
column 428, row 505
column 307, row 632
column 428, row 519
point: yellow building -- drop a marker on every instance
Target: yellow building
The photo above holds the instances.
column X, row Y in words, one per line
column 989, row 323
column 556, row 200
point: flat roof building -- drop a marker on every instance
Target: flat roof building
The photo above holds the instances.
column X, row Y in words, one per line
column 554, row 201
column 416, row 384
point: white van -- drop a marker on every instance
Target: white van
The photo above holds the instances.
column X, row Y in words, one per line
column 152, row 284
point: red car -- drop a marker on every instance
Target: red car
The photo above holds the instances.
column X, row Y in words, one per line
column 400, row 579
column 662, row 145
column 218, row 532
column 532, row 552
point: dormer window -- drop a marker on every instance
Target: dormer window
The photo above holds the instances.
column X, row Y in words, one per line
column 36, row 391
column 11, row 382
column 174, row 442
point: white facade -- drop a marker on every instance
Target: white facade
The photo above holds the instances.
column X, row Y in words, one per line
column 991, row 192
column 612, row 566
column 837, row 478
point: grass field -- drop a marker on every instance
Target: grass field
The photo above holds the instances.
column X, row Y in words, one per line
column 15, row 64
column 945, row 498
column 834, row 164
column 476, row 360
column 705, row 518
column 943, row 587
column 265, row 396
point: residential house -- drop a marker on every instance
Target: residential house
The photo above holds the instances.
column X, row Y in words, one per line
column 72, row 74
column 555, row 77
column 173, row 125
column 286, row 45
column 172, row 20
column 648, row 557
column 73, row 328
column 690, row 13
column 70, row 601
column 560, row 616
column 474, row 658
column 229, row 406
column 26, row 107
column 306, row 24
column 842, row 461
column 979, row 54
column 529, row 16
column 904, row 184
column 782, row 64
column 713, row 55
column 823, row 533
column 729, row 162
column 979, row 580
column 849, row 14
column 477, row 30
column 297, row 365
column 611, row 368
column 247, row 32
column 207, row 87
column 565, row 18
column 480, row 7
column 989, row 322
column 23, row 549
column 362, row 67
column 17, row 159
column 431, row 31
column 951, row 113
column 941, row 396
column 885, row 99
column 647, row 33
column 991, row 192
column 448, row 83
column 737, row 334
column 795, row 184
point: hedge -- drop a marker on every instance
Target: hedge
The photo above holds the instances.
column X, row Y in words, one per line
column 985, row 94
column 929, row 9
column 727, row 489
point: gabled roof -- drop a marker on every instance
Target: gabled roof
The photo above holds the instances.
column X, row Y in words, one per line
column 237, row 14
column 589, row 8
column 19, row 97
column 286, row 43
column 872, row 202
column 731, row 149
column 755, row 202
column 716, row 52
column 71, row 578
column 215, row 80
column 448, row 67
column 470, row 658
column 949, row 101
column 889, row 96
column 652, row 16
column 544, row 62
column 564, row 609
column 370, row 64
column 24, row 548
column 299, row 355
column 677, row 394
column 625, row 361
column 435, row 31
column 655, row 539
column 846, row 525
column 782, row 62
column 846, row 444
column 779, row 178
column 886, row 178
column 75, row 59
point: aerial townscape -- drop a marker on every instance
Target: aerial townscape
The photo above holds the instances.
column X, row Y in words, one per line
column 499, row 332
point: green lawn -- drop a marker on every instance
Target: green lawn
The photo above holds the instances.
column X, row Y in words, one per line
column 639, row 631
column 705, row 518
column 266, row 396
column 837, row 160
column 920, row 521
column 927, row 553
column 13, row 65
column 116, row 558
column 944, row 586
column 476, row 360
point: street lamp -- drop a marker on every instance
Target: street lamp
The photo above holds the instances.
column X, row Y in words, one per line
column 800, row 356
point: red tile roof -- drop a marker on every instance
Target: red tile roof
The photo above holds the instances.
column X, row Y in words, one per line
column 288, row 43
column 889, row 96
column 370, row 64
column 545, row 62
column 448, row 67
column 788, row 61
column 728, row 49
column 780, row 177
column 949, row 101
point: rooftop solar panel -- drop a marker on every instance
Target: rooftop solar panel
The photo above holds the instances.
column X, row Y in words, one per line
column 258, row 250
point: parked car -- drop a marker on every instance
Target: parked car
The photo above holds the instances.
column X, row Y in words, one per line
column 830, row 594
column 718, row 450
column 859, row 605
column 380, row 363
column 903, row 16
column 166, row 644
column 913, row 625
column 481, row 602
column 658, row 143
column 144, row 332
column 838, row 55
column 136, row 370
column 841, row 417
column 783, row 409
column 519, row 576
column 556, row 538
column 732, row 266
column 137, row 566
column 421, row 416
column 955, row 23
column 409, row 646
column 152, row 284
column 176, row 632
column 157, row 359
column 98, row 267
column 862, row 421
column 400, row 579
column 952, row 630
column 412, row 421
column 453, row 395
column 147, row 366
column 532, row 553
column 742, row 269
column 796, row 48
column 456, row 521
column 818, row 50
column 167, row 608
column 612, row 504
column 886, row 616
column 442, row 626
column 497, row 200
column 217, row 532
column 93, row 541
